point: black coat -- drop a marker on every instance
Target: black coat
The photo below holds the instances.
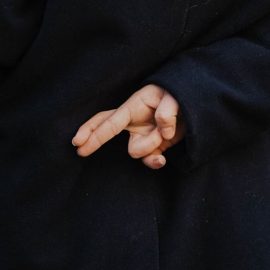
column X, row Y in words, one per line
column 62, row 61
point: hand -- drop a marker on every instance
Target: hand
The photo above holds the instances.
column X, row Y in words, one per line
column 150, row 116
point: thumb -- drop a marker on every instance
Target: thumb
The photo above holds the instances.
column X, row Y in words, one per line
column 155, row 160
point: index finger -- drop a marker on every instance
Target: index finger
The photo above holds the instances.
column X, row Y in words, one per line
column 111, row 127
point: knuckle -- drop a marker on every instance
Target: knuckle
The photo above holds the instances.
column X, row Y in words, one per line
column 91, row 127
column 96, row 140
column 113, row 127
column 162, row 117
column 133, row 152
column 154, row 143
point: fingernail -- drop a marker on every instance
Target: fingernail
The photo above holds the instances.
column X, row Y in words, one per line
column 159, row 161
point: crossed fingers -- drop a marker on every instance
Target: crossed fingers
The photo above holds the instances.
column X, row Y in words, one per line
column 150, row 117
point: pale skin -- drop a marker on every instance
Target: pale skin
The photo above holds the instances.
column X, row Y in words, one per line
column 151, row 116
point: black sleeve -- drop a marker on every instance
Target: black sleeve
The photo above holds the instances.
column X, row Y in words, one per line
column 224, row 93
column 19, row 24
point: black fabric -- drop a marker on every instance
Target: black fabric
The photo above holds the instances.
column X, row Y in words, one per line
column 63, row 61
column 223, row 89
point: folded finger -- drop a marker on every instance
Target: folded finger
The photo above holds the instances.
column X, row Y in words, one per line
column 155, row 160
column 165, row 116
column 140, row 146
